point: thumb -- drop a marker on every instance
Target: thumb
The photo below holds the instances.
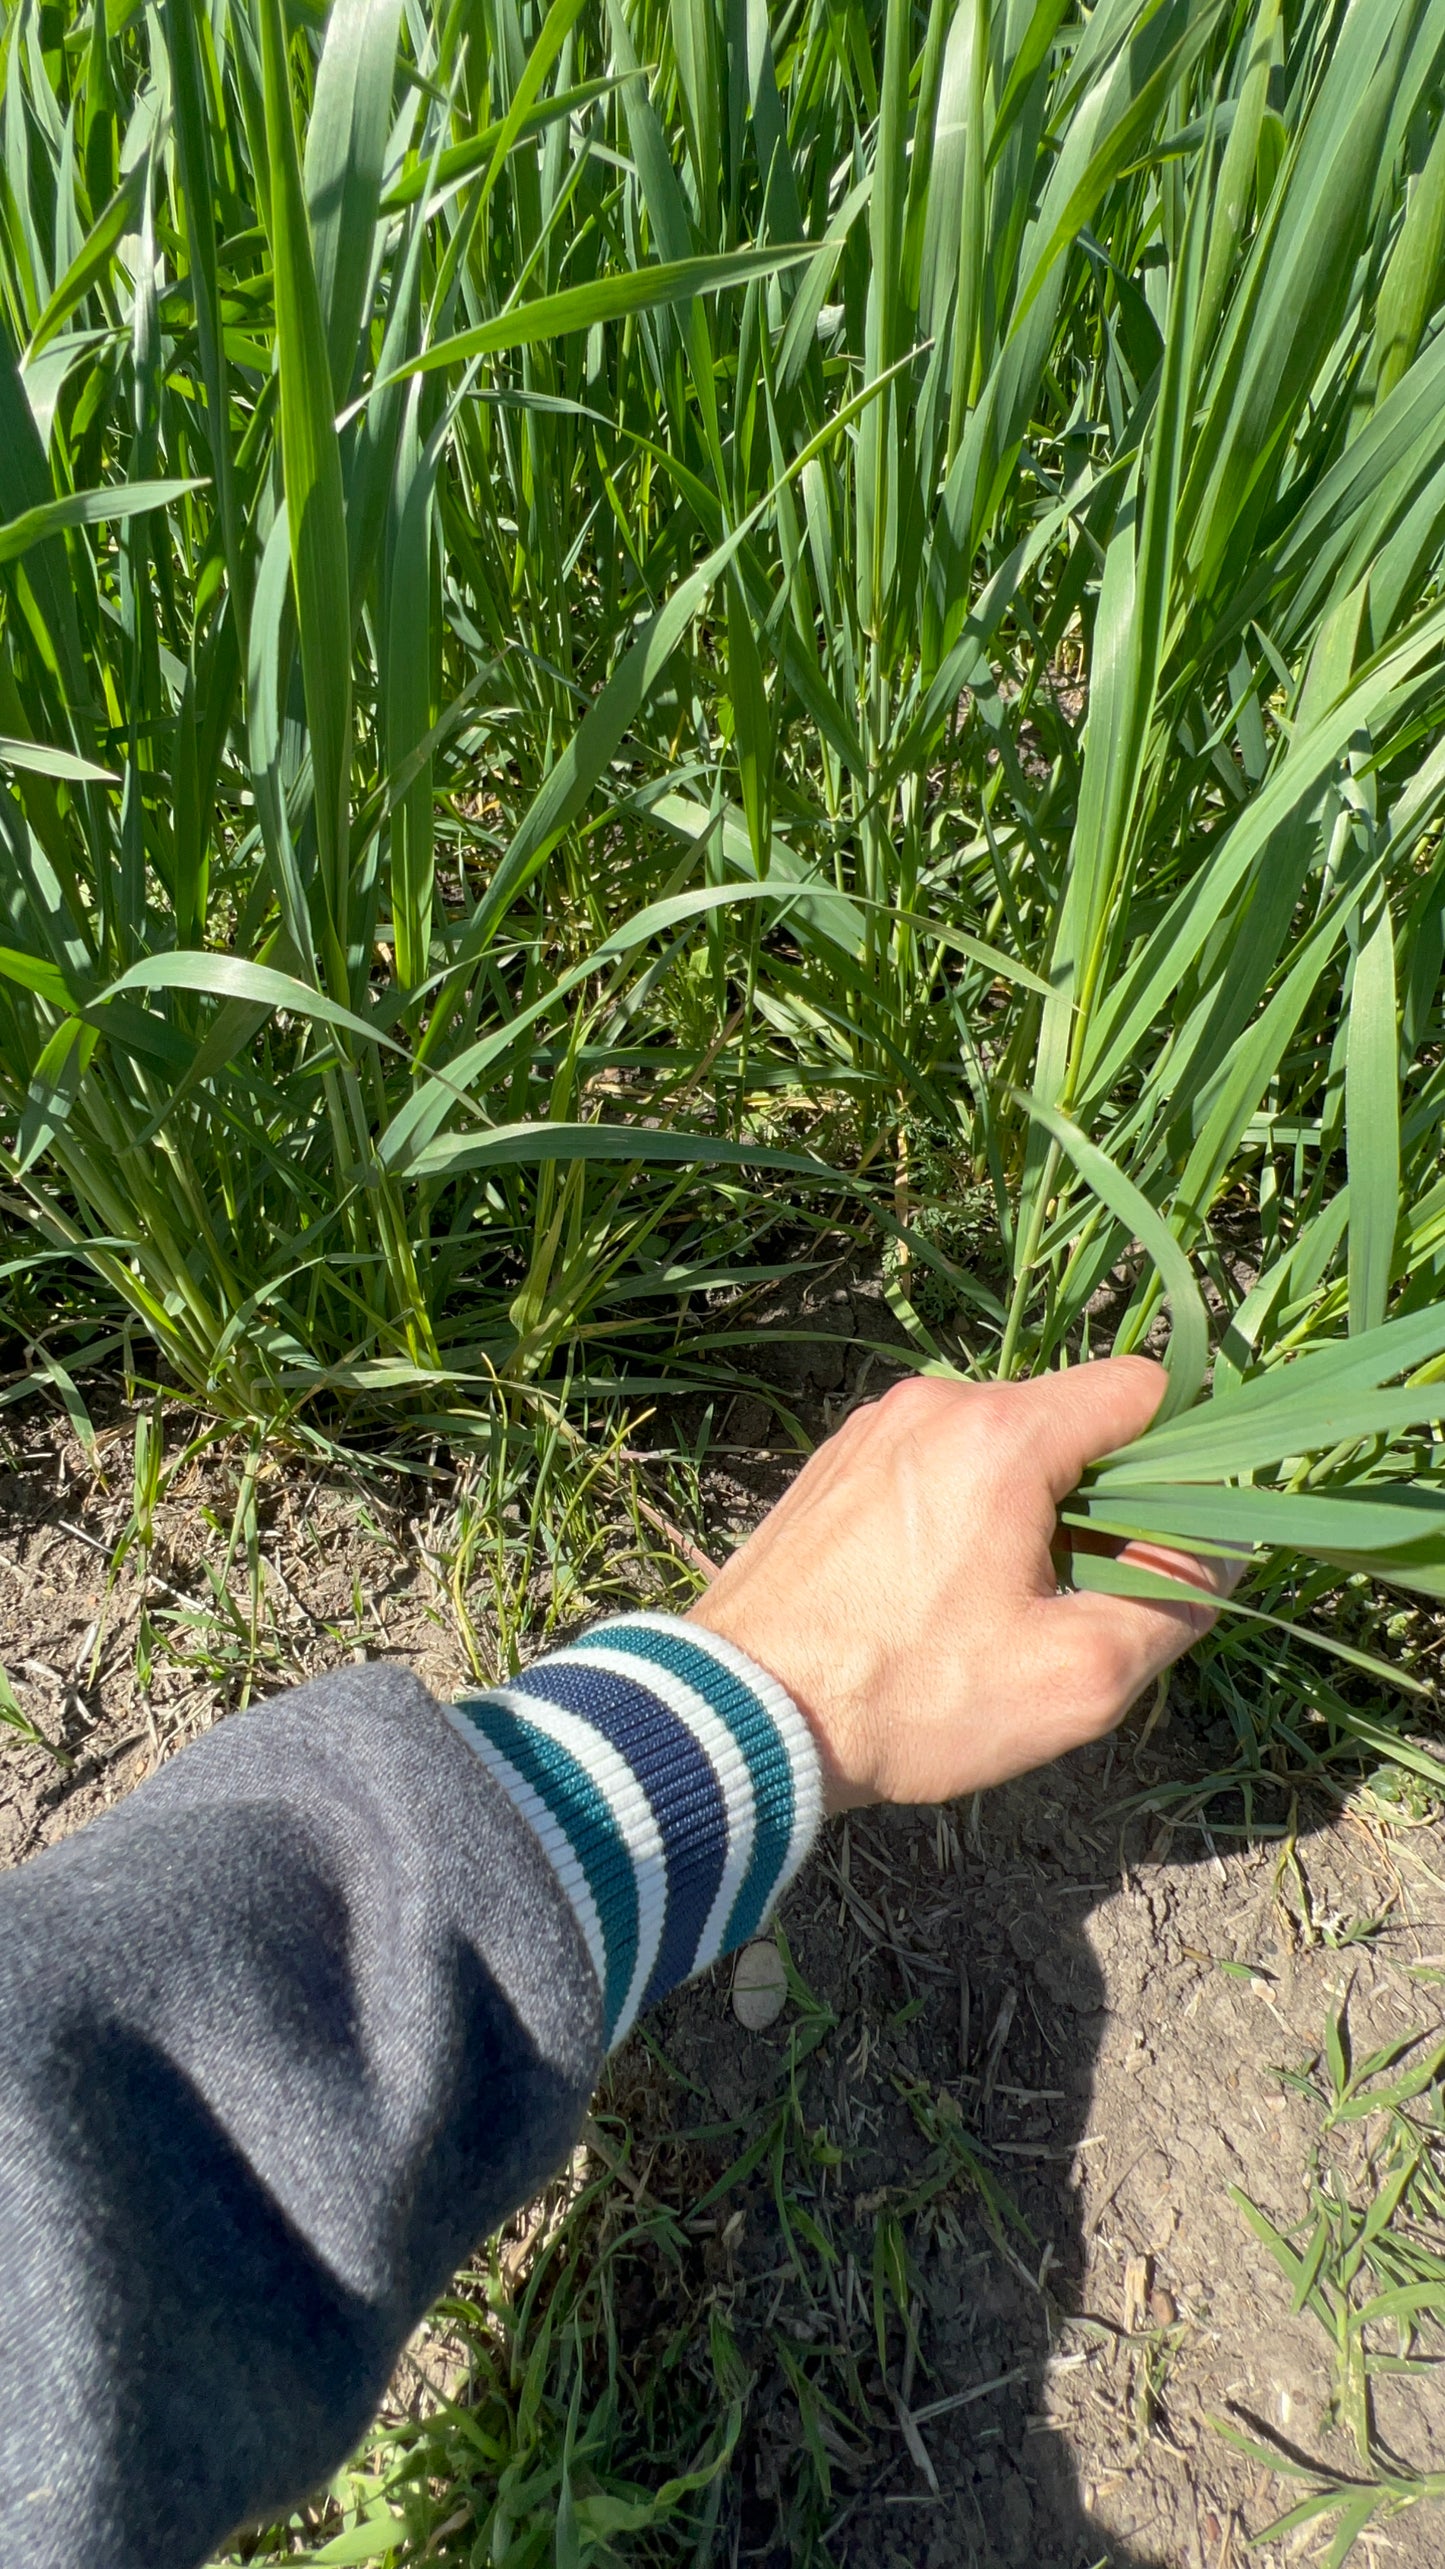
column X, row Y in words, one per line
column 1089, row 1411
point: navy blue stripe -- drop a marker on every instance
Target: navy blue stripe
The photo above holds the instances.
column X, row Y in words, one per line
column 678, row 1779
column 757, row 1735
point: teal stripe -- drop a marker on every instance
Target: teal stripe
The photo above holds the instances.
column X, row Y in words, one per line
column 757, row 1735
column 585, row 1814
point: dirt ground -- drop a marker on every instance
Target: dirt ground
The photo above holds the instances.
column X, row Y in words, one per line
column 1065, row 1966
column 1100, row 2007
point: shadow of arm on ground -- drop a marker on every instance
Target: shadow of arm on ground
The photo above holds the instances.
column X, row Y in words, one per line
column 988, row 2274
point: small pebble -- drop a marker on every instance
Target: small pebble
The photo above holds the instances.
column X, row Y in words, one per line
column 760, row 1985
column 1163, row 2308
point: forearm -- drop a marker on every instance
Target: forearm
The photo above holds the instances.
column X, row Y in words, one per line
column 284, row 2035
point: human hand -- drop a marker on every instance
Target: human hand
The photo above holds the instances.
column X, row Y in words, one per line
column 905, row 1594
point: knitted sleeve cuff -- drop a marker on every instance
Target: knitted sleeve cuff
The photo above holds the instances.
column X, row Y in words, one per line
column 674, row 1785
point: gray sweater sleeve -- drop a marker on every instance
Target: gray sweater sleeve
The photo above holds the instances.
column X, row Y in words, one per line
column 281, row 2038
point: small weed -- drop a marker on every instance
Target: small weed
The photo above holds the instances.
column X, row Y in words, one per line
column 546, row 1528
column 15, row 1718
column 1368, row 2262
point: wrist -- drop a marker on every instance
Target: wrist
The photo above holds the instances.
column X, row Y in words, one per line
column 674, row 1784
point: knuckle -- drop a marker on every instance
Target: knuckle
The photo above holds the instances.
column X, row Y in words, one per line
column 1010, row 1404
column 911, row 1397
column 914, row 1405
column 1003, row 1420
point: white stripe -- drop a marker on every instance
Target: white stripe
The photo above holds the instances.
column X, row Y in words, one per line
column 565, row 1861
column 793, row 1730
column 724, row 1754
column 631, row 1809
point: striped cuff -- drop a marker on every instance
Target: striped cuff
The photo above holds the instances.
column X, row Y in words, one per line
column 674, row 1785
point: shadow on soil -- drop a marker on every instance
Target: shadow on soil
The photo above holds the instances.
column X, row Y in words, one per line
column 969, row 2004
column 1105, row 2006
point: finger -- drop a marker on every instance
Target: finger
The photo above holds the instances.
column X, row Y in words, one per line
column 1103, row 1651
column 1218, row 1574
column 1089, row 1411
column 1215, row 1575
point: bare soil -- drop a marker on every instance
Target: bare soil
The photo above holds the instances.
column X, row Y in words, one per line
column 1100, row 2008
column 1068, row 1966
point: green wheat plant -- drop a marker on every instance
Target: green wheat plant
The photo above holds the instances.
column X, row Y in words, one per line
column 593, row 599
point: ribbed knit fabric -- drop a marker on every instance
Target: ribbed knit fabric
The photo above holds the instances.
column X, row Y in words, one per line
column 674, row 1785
